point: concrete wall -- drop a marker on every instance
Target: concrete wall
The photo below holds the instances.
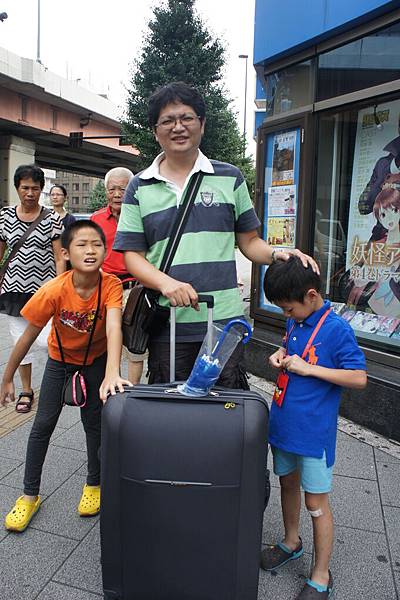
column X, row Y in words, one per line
column 14, row 151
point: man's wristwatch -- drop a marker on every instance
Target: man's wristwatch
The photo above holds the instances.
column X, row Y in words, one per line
column 273, row 256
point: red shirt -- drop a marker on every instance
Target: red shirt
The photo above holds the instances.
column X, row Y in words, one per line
column 114, row 261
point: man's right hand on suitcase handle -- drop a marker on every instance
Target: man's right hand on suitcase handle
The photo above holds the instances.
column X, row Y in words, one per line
column 180, row 293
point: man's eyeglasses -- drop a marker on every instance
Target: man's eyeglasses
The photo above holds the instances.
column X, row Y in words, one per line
column 170, row 122
column 116, row 189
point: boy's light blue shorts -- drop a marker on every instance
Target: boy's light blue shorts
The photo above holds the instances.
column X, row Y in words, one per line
column 315, row 476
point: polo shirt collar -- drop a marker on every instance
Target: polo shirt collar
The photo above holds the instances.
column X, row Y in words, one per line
column 108, row 212
column 313, row 319
column 153, row 171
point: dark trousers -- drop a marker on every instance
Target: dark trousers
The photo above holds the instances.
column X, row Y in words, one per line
column 49, row 409
column 233, row 375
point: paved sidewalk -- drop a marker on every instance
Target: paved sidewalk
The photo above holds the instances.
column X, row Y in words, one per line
column 58, row 556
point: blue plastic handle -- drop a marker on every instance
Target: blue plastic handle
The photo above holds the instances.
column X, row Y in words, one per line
column 246, row 335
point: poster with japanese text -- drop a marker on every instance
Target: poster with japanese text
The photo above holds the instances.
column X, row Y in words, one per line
column 282, row 162
column 283, row 159
column 373, row 243
column 282, row 200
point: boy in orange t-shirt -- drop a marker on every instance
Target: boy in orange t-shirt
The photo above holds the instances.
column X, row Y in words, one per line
column 71, row 299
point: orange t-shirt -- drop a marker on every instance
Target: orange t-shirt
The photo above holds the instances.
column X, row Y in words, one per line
column 73, row 316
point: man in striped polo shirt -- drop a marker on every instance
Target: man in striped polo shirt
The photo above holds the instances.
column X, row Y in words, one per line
column 205, row 258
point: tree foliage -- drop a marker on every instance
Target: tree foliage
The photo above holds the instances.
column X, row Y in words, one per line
column 97, row 197
column 178, row 47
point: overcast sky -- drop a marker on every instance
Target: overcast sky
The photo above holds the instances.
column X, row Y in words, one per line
column 96, row 40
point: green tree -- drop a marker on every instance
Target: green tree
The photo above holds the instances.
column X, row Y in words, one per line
column 97, row 197
column 178, row 47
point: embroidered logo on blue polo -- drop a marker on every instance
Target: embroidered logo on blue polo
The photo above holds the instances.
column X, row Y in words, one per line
column 207, row 199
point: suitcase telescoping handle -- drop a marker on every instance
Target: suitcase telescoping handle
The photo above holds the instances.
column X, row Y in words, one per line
column 209, row 300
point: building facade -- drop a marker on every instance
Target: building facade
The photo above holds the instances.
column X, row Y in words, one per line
column 328, row 175
column 79, row 188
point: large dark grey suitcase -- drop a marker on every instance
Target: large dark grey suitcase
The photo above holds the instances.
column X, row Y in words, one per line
column 183, row 489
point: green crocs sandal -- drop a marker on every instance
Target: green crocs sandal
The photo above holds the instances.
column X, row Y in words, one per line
column 273, row 557
column 21, row 514
column 89, row 505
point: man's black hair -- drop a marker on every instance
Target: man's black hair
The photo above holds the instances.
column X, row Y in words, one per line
column 60, row 187
column 29, row 172
column 175, row 92
column 69, row 233
column 289, row 281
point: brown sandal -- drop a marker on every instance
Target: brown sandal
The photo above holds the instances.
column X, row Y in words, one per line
column 25, row 405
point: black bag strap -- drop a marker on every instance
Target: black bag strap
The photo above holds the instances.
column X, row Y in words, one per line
column 181, row 220
column 43, row 213
column 91, row 331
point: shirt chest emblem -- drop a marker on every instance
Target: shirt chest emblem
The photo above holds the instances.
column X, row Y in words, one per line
column 207, row 199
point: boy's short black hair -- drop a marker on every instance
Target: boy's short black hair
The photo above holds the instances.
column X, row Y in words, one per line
column 289, row 281
column 69, row 233
column 177, row 91
column 29, row 172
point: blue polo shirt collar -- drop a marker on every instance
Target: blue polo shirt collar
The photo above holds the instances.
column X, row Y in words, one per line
column 313, row 319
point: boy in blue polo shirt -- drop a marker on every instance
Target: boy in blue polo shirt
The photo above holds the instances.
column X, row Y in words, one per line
column 319, row 356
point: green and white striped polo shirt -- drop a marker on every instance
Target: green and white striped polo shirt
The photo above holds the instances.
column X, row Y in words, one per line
column 205, row 257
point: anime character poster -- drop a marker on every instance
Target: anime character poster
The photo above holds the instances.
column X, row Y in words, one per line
column 373, row 247
column 283, row 159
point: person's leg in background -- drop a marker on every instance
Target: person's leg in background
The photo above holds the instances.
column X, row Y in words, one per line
column 234, row 374
column 159, row 354
column 17, row 326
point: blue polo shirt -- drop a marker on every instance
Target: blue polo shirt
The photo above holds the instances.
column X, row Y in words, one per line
column 306, row 423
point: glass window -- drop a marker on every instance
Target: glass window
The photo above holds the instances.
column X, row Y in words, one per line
column 75, row 199
column 85, row 187
column 357, row 229
column 75, row 187
column 369, row 61
column 289, row 89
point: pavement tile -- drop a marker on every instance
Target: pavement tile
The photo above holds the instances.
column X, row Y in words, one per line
column 7, row 465
column 354, row 459
column 273, row 530
column 355, row 503
column 385, row 457
column 59, row 465
column 14, row 444
column 73, row 438
column 38, row 555
column 392, row 519
column 389, row 481
column 56, row 591
column 59, row 514
column 285, row 583
column 360, row 566
column 87, row 553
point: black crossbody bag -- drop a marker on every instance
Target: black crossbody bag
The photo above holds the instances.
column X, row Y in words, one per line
column 143, row 315
column 74, row 392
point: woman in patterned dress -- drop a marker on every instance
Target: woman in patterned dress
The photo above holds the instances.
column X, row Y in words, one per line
column 38, row 260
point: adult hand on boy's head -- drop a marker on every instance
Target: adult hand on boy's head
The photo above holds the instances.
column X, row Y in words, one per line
column 111, row 385
column 305, row 259
column 275, row 360
column 295, row 364
column 7, row 392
